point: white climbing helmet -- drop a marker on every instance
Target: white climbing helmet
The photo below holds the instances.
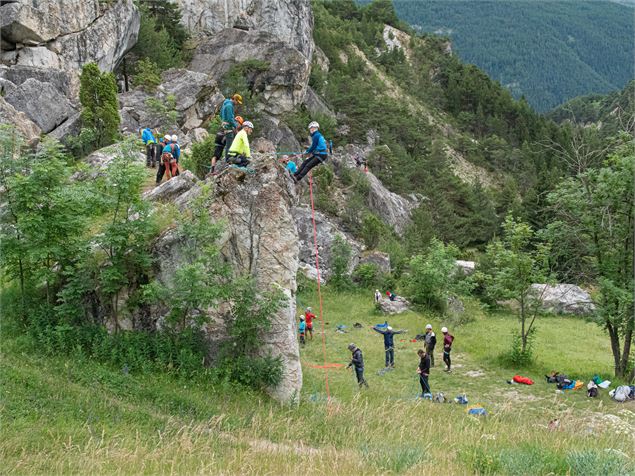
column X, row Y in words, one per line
column 429, row 326
column 175, row 138
column 167, row 138
column 389, row 328
column 314, row 124
column 248, row 124
column 301, row 318
column 308, row 309
column 444, row 330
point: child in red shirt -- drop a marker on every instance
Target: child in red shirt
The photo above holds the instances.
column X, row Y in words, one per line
column 308, row 317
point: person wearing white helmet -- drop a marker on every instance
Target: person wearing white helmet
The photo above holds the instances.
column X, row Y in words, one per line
column 430, row 341
column 169, row 162
column 377, row 296
column 389, row 343
column 302, row 329
column 239, row 152
column 448, row 339
column 316, row 154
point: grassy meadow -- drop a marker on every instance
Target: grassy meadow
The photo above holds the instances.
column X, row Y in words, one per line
column 72, row 416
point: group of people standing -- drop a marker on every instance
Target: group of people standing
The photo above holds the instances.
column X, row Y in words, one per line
column 426, row 356
column 232, row 142
column 306, row 325
column 166, row 151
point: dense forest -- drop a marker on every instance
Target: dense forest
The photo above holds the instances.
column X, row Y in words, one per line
column 546, row 51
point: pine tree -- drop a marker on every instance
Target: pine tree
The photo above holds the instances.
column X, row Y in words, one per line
column 100, row 107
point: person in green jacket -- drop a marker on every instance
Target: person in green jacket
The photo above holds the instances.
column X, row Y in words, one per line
column 228, row 121
column 239, row 152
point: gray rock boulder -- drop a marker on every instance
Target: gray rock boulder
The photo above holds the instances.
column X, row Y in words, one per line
column 49, row 42
column 291, row 21
column 377, row 258
column 23, row 125
column 42, row 103
column 393, row 209
column 398, row 306
column 196, row 99
column 563, row 299
column 327, row 230
column 282, row 86
column 173, row 188
column 465, row 267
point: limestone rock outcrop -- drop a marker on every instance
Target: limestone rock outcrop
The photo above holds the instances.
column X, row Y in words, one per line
column 24, row 126
column 563, row 299
column 377, row 258
column 398, row 306
column 327, row 230
column 49, row 41
column 281, row 86
column 195, row 97
column 291, row 21
column 260, row 240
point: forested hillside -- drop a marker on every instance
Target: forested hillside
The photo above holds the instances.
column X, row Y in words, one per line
column 612, row 112
column 433, row 114
column 547, row 51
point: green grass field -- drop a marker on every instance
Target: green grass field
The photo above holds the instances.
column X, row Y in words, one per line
column 74, row 416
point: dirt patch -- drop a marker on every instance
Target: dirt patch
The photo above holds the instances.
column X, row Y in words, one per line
column 475, row 373
column 516, row 396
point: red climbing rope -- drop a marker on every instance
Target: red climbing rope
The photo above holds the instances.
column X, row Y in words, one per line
column 317, row 267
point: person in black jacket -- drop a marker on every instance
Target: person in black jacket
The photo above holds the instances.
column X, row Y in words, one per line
column 424, row 371
column 357, row 361
column 430, row 340
column 389, row 344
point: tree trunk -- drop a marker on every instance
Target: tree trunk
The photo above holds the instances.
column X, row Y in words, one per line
column 22, row 289
column 626, row 353
column 615, row 348
column 125, row 75
column 523, row 335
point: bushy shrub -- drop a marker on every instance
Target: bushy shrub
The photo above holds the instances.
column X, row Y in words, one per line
column 147, row 75
column 100, row 105
column 431, row 276
column 340, row 259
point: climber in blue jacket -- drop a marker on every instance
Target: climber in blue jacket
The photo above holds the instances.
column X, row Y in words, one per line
column 151, row 146
column 317, row 153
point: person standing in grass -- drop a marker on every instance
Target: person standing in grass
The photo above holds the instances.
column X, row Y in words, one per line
column 424, row 372
column 357, row 362
column 448, row 339
column 430, row 340
column 302, row 329
column 309, row 316
column 389, row 344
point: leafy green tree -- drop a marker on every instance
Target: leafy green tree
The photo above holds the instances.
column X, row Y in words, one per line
column 202, row 279
column 431, row 278
column 147, row 75
column 517, row 261
column 340, row 259
column 100, row 106
column 45, row 217
column 167, row 17
column 129, row 227
column 155, row 42
column 594, row 227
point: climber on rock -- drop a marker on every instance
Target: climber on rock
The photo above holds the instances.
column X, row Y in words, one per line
column 239, row 152
column 151, row 145
column 170, row 155
column 220, row 142
column 316, row 154
column 229, row 124
column 289, row 164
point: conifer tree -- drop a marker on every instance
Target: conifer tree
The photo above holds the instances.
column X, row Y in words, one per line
column 100, row 107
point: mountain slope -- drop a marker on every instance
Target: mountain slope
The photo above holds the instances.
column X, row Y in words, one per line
column 546, row 51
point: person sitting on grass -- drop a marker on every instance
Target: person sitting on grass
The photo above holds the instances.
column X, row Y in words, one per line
column 424, row 372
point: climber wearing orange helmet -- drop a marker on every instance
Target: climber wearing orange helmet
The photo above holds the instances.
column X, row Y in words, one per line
column 220, row 142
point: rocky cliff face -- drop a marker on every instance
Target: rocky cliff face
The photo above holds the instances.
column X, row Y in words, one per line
column 290, row 21
column 260, row 240
column 46, row 43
